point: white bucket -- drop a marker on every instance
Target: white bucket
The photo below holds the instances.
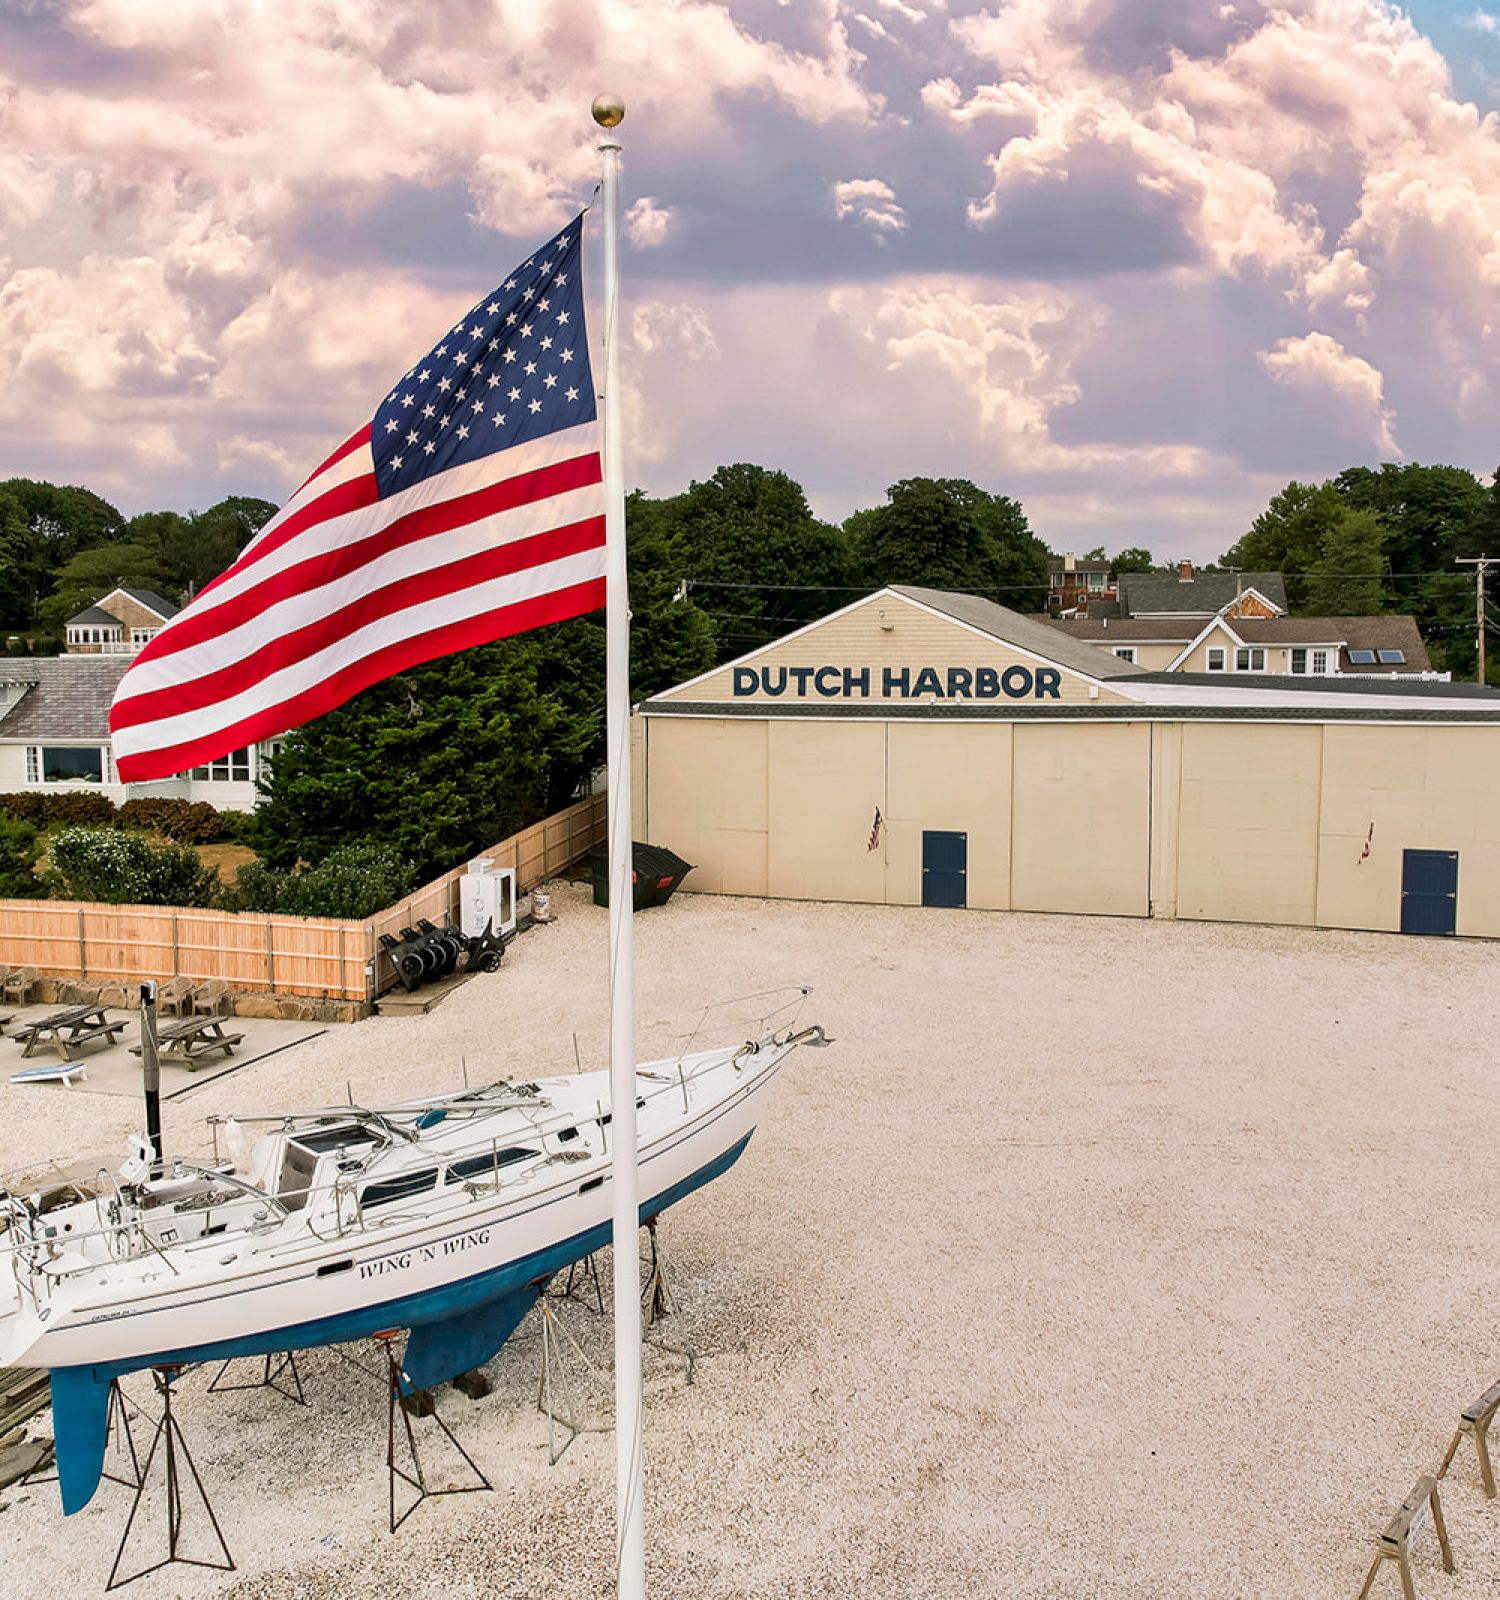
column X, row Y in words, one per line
column 541, row 906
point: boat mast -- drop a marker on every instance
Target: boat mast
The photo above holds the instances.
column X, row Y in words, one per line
column 630, row 1546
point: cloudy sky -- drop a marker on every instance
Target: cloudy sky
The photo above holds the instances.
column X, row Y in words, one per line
column 1137, row 262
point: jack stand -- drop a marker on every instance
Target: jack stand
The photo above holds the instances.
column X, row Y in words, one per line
column 118, row 1419
column 271, row 1378
column 170, row 1430
column 400, row 1391
column 656, row 1297
column 582, row 1275
column 556, row 1336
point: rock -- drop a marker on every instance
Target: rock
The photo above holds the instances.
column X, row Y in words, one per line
column 19, row 1459
column 473, row 1384
column 258, row 1005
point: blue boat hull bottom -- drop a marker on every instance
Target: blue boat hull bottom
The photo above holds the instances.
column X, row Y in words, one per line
column 453, row 1330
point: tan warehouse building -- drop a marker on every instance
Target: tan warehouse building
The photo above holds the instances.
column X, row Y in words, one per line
column 920, row 747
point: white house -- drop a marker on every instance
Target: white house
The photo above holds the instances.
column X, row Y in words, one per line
column 54, row 734
column 121, row 623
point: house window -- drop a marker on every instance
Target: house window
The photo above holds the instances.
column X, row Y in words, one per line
column 1096, row 580
column 1319, row 663
column 1362, row 658
column 140, row 636
column 1250, row 659
column 60, row 763
column 1216, row 658
column 1126, row 652
column 233, row 768
column 1392, row 658
column 1299, row 661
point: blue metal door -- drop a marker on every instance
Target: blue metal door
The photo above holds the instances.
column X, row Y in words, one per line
column 1429, row 891
column 945, row 868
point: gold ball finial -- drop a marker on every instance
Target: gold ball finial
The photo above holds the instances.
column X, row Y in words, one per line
column 608, row 110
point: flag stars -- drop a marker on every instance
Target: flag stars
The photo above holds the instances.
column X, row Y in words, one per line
column 424, row 374
column 572, row 394
column 461, row 356
column 478, row 405
column 428, row 448
column 460, row 394
column 562, row 317
column 476, row 331
column 542, row 305
column 534, row 407
column 550, row 380
column 547, row 342
column 527, row 293
column 441, row 350
column 411, row 437
column 515, row 394
column 406, row 399
column 444, row 384
column 395, row 463
column 525, row 330
column 567, row 355
column 498, row 418
column 530, row 369
column 390, row 427
column 562, row 278
column 509, row 355
column 511, row 319
column 463, row 432
column 493, row 381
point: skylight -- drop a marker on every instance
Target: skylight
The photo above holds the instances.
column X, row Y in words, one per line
column 1392, row 658
column 1362, row 658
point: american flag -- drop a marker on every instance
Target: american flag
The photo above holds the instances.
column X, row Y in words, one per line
column 470, row 508
column 874, row 843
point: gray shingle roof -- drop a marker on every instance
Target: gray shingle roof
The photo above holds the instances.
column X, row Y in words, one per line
column 1204, row 592
column 95, row 616
column 70, row 699
column 149, row 597
column 1010, row 627
column 1170, row 630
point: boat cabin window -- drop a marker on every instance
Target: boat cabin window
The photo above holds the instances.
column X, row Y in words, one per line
column 398, row 1187
column 478, row 1166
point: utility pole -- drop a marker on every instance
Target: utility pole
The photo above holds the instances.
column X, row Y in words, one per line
column 1481, row 565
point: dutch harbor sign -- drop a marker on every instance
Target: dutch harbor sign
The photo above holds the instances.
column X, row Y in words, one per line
column 899, row 683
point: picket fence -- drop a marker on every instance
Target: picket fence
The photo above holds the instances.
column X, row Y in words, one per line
column 322, row 957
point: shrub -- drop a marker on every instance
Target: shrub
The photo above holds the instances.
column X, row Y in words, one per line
column 122, row 868
column 188, row 821
column 19, row 853
column 238, row 827
column 356, row 880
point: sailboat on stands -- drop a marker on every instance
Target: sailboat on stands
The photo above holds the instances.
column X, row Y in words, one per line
column 445, row 1215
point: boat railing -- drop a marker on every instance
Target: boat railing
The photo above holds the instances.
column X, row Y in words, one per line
column 126, row 1228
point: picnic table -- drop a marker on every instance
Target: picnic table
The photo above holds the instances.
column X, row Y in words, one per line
column 191, row 1039
column 64, row 1031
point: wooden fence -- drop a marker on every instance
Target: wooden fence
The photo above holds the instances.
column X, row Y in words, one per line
column 320, row 956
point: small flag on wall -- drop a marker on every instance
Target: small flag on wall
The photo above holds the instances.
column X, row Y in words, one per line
column 1364, row 854
column 875, row 831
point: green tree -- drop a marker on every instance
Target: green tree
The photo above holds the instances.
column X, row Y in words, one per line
column 194, row 550
column 751, row 554
column 945, row 533
column 435, row 763
column 19, row 854
column 1288, row 536
column 60, row 520
column 91, row 574
column 1347, row 579
column 1132, row 559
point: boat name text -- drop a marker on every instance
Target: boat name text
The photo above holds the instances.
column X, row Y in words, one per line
column 424, row 1253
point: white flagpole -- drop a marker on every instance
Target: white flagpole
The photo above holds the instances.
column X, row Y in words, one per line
column 630, row 1528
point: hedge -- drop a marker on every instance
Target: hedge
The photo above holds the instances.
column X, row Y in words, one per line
column 188, row 821
column 75, row 807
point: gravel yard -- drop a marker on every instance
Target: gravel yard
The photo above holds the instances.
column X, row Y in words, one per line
column 1098, row 1258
